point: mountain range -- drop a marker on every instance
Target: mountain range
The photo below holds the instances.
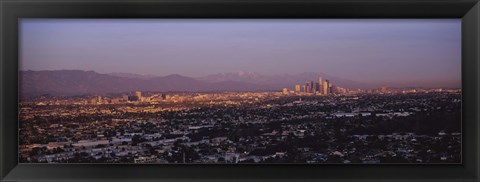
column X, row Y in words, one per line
column 78, row 82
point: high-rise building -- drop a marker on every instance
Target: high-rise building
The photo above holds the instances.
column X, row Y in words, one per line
column 329, row 85
column 307, row 87
column 320, row 85
column 325, row 87
column 317, row 88
column 297, row 88
column 312, row 87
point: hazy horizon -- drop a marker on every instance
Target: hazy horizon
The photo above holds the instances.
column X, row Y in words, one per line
column 417, row 84
column 393, row 52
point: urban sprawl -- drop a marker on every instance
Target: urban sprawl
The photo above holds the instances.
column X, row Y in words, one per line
column 315, row 122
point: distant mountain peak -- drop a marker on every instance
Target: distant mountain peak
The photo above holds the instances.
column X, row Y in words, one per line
column 238, row 73
column 238, row 76
column 246, row 73
column 176, row 76
column 131, row 75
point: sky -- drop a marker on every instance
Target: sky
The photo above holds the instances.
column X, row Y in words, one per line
column 366, row 50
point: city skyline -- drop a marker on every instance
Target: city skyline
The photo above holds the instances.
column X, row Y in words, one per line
column 367, row 84
column 398, row 53
column 77, row 82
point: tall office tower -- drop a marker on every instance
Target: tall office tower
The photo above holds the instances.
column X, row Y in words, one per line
column 138, row 94
column 297, row 88
column 317, row 87
column 325, row 87
column 307, row 87
column 329, row 85
column 320, row 85
column 312, row 87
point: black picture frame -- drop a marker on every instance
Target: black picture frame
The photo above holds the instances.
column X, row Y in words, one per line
column 12, row 10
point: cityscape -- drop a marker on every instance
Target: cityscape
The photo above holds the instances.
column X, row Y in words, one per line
column 317, row 88
column 240, row 91
column 316, row 122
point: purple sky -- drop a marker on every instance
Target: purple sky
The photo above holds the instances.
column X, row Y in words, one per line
column 392, row 51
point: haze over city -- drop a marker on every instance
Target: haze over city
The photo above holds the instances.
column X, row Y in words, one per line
column 394, row 52
column 240, row 91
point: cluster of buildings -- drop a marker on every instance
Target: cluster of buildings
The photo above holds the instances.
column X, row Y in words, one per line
column 322, row 87
column 128, row 98
column 137, row 98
